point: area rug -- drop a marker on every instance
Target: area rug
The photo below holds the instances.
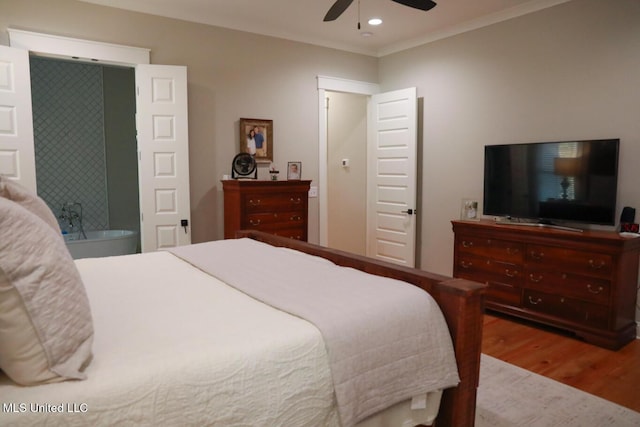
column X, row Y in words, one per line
column 511, row 396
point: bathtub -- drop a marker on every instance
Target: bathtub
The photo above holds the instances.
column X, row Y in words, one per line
column 100, row 243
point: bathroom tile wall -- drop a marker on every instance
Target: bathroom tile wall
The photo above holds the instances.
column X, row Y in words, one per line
column 68, row 120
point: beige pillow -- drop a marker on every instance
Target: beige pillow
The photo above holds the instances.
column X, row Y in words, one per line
column 11, row 190
column 46, row 328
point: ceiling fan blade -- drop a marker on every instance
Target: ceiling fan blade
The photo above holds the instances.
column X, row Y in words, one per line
column 418, row 4
column 336, row 10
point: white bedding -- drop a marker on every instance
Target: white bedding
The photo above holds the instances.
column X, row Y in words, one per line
column 386, row 340
column 174, row 346
column 150, row 369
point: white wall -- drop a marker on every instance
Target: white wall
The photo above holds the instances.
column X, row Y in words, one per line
column 347, row 186
column 568, row 72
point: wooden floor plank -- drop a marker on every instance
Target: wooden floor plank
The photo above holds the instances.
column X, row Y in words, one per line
column 611, row 375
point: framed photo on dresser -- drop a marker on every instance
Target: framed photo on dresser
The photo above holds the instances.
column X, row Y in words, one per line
column 294, row 171
column 469, row 210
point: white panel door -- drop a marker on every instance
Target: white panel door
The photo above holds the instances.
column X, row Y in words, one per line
column 392, row 175
column 17, row 155
column 163, row 150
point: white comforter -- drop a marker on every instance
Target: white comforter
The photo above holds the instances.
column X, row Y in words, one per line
column 387, row 341
column 172, row 347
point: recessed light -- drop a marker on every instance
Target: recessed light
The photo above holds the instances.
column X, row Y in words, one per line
column 375, row 21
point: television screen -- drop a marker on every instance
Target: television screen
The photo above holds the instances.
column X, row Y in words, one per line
column 570, row 181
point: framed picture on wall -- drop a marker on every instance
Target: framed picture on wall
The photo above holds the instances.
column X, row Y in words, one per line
column 294, row 170
column 256, row 138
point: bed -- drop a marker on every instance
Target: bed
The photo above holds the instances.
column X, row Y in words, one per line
column 171, row 343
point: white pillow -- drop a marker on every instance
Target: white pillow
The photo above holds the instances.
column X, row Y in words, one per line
column 46, row 328
column 11, row 190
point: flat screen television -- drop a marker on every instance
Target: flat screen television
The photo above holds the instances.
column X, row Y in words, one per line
column 553, row 182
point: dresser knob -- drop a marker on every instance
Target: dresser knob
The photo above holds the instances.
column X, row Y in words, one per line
column 534, row 302
column 466, row 244
column 511, row 273
column 537, row 255
column 252, row 222
column 537, row 279
column 254, row 202
column 596, row 265
column 466, row 265
column 296, row 201
column 593, row 289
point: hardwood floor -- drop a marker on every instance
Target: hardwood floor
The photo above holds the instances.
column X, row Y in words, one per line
column 612, row 375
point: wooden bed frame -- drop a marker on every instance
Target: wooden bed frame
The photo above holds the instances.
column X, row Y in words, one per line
column 461, row 301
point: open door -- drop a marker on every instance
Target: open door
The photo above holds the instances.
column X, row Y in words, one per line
column 163, row 155
column 17, row 154
column 391, row 176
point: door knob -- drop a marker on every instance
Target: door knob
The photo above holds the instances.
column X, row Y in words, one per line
column 410, row 211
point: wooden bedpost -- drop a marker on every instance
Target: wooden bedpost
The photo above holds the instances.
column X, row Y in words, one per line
column 461, row 302
column 464, row 317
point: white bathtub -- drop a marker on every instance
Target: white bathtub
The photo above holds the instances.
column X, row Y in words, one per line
column 102, row 243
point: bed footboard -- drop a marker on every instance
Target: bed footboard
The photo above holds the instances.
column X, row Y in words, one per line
column 461, row 301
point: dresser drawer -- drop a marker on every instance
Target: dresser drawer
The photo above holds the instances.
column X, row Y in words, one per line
column 566, row 308
column 504, row 294
column 489, row 270
column 588, row 263
column 254, row 203
column 257, row 221
column 292, row 233
column 569, row 284
column 503, row 250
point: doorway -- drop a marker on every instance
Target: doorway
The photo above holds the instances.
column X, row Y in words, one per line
column 347, row 171
column 85, row 140
column 161, row 128
column 325, row 85
column 392, row 135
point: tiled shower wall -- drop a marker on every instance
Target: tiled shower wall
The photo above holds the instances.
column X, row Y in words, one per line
column 68, row 125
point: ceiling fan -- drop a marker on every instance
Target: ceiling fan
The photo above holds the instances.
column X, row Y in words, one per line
column 341, row 5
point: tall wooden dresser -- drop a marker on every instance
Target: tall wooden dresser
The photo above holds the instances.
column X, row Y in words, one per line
column 584, row 282
column 276, row 207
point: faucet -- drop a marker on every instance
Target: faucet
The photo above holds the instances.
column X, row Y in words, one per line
column 71, row 214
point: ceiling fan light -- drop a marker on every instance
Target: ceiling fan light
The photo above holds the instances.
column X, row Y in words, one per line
column 375, row 21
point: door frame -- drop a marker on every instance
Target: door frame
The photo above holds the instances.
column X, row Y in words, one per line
column 47, row 45
column 78, row 49
column 332, row 84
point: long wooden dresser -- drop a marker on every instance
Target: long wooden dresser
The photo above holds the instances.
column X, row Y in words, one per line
column 583, row 282
column 276, row 207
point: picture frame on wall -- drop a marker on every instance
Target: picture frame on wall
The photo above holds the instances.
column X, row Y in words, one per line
column 469, row 210
column 294, row 171
column 256, row 138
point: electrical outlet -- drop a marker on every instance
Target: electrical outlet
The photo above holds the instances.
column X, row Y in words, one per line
column 313, row 191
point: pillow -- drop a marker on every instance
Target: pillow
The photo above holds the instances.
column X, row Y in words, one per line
column 46, row 329
column 11, row 190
